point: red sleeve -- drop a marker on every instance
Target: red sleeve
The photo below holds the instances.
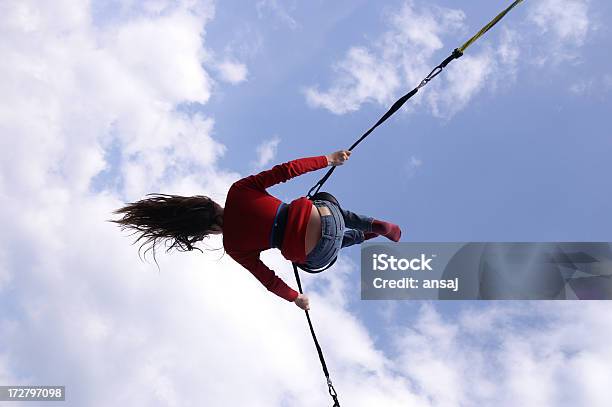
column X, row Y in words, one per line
column 284, row 172
column 271, row 281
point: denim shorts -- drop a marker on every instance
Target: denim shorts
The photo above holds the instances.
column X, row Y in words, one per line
column 332, row 233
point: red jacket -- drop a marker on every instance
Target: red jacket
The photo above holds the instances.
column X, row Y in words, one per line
column 248, row 216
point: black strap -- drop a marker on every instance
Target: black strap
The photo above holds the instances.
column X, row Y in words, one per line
column 396, row 106
column 330, row 386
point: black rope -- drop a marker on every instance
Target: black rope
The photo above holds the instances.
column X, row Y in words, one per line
column 396, row 106
column 330, row 386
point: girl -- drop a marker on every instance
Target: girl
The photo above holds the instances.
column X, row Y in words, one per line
column 306, row 232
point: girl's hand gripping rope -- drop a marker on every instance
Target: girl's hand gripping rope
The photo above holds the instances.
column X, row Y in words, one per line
column 338, row 158
column 302, row 302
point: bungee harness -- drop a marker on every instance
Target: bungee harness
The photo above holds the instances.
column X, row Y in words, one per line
column 313, row 193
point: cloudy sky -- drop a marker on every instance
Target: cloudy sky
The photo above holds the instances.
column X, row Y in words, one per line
column 102, row 102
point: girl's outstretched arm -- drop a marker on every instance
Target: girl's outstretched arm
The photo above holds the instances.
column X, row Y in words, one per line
column 291, row 169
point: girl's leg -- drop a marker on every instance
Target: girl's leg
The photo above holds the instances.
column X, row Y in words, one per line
column 351, row 237
column 355, row 221
column 371, row 226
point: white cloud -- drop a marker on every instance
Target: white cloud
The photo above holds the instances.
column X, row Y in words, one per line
column 362, row 77
column 560, row 29
column 567, row 20
column 582, row 86
column 598, row 85
column 232, row 72
column 266, row 152
column 412, row 165
column 405, row 53
column 400, row 55
column 399, row 58
column 508, row 52
column 179, row 78
column 524, row 353
column 73, row 91
column 461, row 82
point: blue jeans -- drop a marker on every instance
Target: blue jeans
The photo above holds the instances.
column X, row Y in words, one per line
column 340, row 229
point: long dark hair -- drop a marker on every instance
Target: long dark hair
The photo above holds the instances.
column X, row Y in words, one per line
column 179, row 221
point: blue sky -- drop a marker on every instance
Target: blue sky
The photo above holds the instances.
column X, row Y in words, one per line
column 104, row 102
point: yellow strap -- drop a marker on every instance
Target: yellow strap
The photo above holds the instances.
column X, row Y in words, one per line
column 489, row 26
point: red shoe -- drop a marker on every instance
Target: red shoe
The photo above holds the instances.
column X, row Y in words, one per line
column 389, row 230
